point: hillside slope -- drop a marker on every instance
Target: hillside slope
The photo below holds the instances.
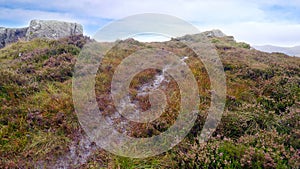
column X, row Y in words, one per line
column 260, row 127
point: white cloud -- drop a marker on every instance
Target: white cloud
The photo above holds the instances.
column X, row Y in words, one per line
column 200, row 10
column 250, row 21
column 261, row 33
column 26, row 15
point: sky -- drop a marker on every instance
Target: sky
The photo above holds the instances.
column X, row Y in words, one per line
column 258, row 22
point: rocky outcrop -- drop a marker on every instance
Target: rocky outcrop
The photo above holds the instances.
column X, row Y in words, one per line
column 10, row 35
column 49, row 29
column 214, row 33
column 52, row 29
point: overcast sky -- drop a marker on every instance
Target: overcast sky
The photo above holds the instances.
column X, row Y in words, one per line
column 257, row 22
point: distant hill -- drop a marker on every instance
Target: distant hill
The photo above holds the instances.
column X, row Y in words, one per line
column 292, row 51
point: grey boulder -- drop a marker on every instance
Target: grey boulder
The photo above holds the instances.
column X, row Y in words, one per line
column 49, row 29
column 10, row 35
column 52, row 29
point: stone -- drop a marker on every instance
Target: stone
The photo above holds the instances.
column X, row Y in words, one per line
column 49, row 29
column 214, row 33
column 11, row 35
column 52, row 29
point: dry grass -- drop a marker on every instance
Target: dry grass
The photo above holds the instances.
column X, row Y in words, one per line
column 260, row 127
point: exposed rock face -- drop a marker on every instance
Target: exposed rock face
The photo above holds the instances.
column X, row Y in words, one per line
column 219, row 34
column 52, row 29
column 214, row 33
column 210, row 34
column 10, row 35
column 39, row 29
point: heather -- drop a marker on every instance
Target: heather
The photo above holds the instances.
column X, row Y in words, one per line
column 39, row 127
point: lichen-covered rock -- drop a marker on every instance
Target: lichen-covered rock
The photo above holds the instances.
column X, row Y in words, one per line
column 10, row 35
column 49, row 29
column 214, row 33
column 52, row 29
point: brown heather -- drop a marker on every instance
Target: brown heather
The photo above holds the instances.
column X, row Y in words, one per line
column 260, row 127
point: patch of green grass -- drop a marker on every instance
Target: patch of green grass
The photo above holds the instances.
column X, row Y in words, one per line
column 129, row 163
